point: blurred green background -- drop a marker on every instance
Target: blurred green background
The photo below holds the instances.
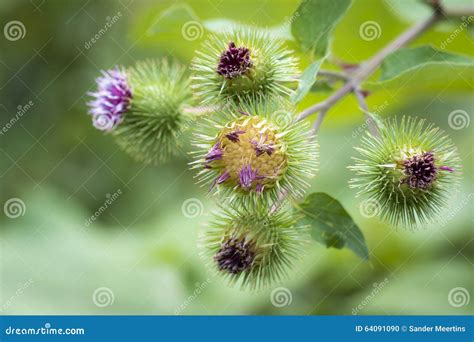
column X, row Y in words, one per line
column 142, row 249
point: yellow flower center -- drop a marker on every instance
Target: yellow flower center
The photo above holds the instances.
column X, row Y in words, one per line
column 252, row 153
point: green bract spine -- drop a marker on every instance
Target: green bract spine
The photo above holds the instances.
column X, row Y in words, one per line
column 245, row 63
column 408, row 172
column 151, row 128
column 254, row 152
column 252, row 248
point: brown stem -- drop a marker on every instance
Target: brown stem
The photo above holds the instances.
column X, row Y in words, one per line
column 368, row 68
column 319, row 121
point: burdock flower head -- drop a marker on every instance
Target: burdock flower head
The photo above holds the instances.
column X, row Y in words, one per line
column 234, row 62
column 111, row 100
column 235, row 255
column 409, row 171
column 421, row 171
column 255, row 151
column 142, row 107
column 245, row 63
column 250, row 247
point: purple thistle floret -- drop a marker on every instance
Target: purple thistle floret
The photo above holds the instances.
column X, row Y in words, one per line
column 111, row 100
column 214, row 154
column 261, row 147
column 219, row 180
column 234, row 61
column 259, row 188
column 446, row 168
column 247, row 176
column 234, row 256
column 223, row 177
column 234, row 136
column 421, row 171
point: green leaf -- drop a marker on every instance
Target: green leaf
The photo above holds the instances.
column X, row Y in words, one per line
column 322, row 86
column 331, row 225
column 308, row 77
column 313, row 23
column 423, row 68
column 410, row 60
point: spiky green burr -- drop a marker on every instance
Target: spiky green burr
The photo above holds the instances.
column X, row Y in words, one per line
column 251, row 248
column 245, row 63
column 409, row 171
column 151, row 128
column 255, row 151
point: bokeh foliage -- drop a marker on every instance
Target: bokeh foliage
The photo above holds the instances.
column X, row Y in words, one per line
column 143, row 247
